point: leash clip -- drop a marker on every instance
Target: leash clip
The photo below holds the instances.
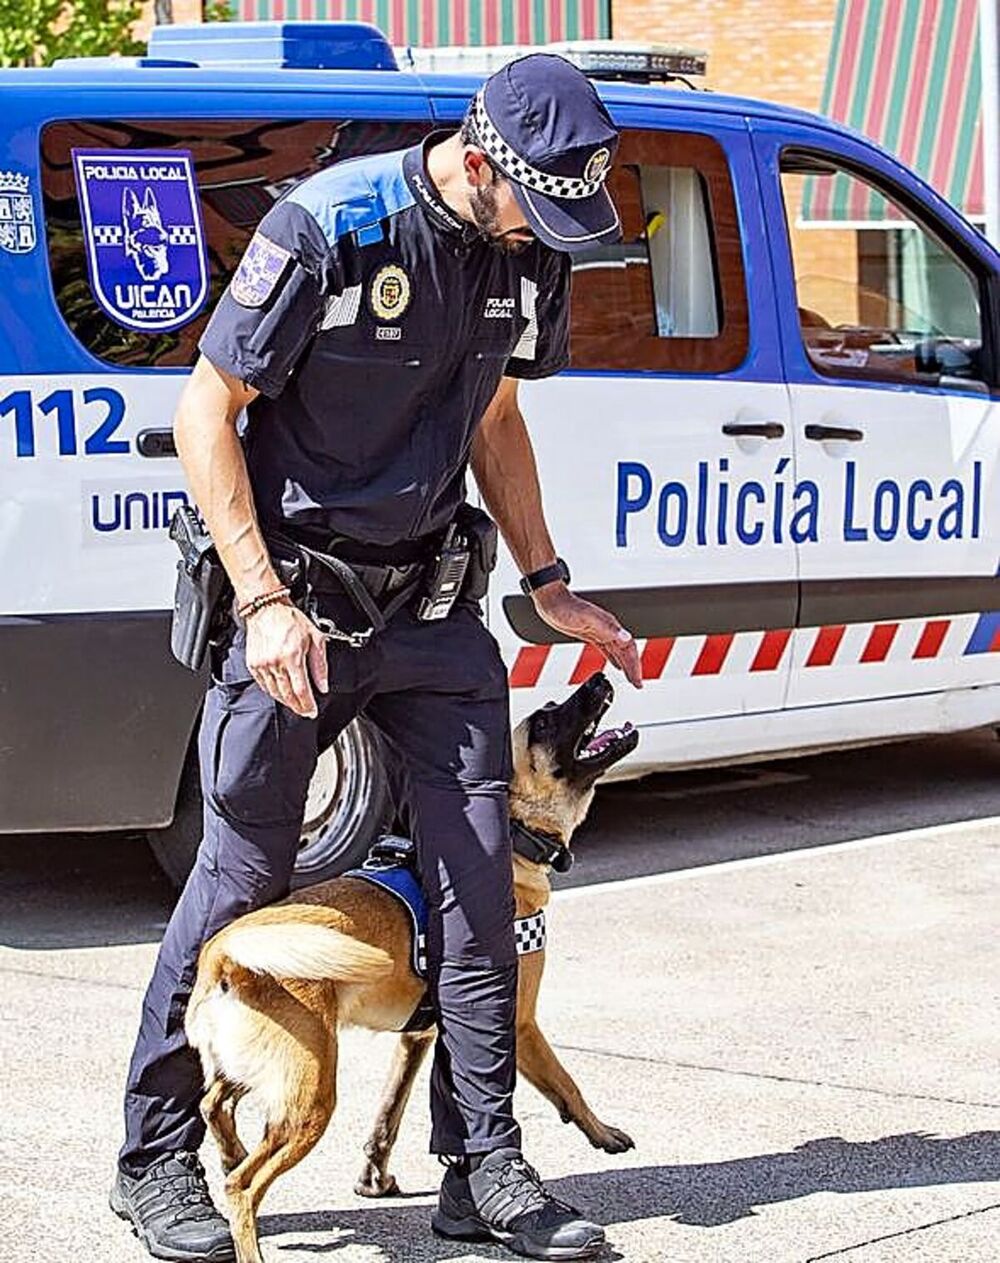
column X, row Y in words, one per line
column 356, row 639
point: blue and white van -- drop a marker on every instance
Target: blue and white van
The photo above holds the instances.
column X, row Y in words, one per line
column 775, row 456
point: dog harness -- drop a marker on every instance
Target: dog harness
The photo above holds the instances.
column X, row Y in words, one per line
column 390, row 868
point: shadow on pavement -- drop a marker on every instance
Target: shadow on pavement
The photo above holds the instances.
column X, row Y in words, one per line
column 80, row 890
column 705, row 1195
column 92, row 890
column 676, row 820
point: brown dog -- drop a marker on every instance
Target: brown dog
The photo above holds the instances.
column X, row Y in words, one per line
column 274, row 987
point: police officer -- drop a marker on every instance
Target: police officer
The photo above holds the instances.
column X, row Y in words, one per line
column 375, row 332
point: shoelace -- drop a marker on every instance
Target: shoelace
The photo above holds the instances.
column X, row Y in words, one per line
column 185, row 1191
column 525, row 1186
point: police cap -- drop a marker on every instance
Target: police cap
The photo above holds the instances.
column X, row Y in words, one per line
column 541, row 122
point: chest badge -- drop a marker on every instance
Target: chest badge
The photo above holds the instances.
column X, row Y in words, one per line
column 390, row 292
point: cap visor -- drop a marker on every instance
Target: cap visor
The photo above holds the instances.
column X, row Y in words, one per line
column 569, row 224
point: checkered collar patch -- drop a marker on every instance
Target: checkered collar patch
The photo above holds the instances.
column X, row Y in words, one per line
column 521, row 172
column 529, row 933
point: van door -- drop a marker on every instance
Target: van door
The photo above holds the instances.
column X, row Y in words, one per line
column 87, row 395
column 883, row 299
column 665, row 450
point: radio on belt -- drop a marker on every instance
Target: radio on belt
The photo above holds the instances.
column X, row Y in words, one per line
column 444, row 581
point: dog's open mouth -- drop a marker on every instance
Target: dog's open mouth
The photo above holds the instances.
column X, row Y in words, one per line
column 597, row 749
column 606, row 742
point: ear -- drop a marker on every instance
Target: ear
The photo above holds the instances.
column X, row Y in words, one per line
column 478, row 171
column 148, row 201
column 130, row 203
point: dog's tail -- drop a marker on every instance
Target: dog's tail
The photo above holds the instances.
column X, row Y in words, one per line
column 307, row 951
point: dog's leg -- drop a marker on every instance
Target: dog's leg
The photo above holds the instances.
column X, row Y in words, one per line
column 309, row 1082
column 375, row 1180
column 543, row 1069
column 218, row 1109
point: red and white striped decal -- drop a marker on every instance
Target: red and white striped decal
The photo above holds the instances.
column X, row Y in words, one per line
column 823, row 647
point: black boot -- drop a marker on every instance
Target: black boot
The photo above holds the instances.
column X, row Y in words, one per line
column 171, row 1211
column 504, row 1200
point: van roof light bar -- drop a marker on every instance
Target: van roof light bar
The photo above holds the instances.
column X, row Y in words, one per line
column 641, row 63
column 599, row 59
column 274, row 45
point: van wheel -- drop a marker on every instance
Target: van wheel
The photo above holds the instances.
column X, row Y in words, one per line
column 348, row 806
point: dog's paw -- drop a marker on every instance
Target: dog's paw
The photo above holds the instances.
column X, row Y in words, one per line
column 372, row 1183
column 611, row 1140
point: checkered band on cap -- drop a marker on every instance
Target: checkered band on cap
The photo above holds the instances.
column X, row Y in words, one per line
column 521, row 172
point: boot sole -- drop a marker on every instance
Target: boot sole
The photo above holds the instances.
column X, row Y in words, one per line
column 477, row 1230
column 158, row 1251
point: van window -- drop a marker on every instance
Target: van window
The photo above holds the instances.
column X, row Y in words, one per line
column 671, row 295
column 889, row 301
column 243, row 166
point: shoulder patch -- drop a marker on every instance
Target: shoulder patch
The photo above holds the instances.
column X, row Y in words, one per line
column 259, row 271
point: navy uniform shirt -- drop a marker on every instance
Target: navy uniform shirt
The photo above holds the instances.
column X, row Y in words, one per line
column 377, row 325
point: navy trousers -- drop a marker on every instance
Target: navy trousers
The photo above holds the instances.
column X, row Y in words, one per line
column 437, row 692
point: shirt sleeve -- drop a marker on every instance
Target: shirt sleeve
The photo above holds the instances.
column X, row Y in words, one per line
column 274, row 302
column 543, row 348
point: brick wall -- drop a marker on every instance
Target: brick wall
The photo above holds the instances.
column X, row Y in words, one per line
column 776, row 50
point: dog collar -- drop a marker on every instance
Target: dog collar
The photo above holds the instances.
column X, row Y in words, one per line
column 541, row 848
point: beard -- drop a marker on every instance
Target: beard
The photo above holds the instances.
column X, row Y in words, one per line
column 486, row 216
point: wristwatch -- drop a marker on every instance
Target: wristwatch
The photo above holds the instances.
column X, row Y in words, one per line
column 547, row 574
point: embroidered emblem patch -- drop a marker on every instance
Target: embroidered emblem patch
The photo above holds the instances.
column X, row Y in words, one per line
column 390, row 292
column 143, row 235
column 17, row 214
column 259, row 271
column 596, row 164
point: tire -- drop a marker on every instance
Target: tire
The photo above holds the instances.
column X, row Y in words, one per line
column 348, row 806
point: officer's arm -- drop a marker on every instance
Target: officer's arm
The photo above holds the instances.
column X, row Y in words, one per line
column 212, row 456
column 504, row 465
column 283, row 648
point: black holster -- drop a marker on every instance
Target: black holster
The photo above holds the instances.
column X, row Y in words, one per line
column 480, row 532
column 202, row 593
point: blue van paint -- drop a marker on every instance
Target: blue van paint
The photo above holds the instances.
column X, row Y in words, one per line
column 771, row 137
column 35, row 339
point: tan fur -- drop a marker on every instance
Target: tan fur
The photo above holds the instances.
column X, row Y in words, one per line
column 274, row 987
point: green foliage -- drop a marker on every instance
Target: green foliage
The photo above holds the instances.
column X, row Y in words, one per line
column 219, row 11
column 38, row 32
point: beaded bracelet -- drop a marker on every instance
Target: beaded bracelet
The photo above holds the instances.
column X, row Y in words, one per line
column 259, row 602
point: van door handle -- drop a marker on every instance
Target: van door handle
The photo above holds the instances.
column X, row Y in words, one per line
column 819, row 433
column 754, row 429
column 156, row 443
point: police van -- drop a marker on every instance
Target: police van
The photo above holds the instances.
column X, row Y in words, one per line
column 774, row 457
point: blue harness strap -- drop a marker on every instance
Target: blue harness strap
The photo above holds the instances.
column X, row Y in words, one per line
column 402, row 882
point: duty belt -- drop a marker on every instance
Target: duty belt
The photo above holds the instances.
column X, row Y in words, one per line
column 376, row 590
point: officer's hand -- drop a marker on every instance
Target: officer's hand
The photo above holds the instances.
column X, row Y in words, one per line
column 583, row 620
column 283, row 651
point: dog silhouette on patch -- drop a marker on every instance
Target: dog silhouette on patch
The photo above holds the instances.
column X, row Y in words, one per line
column 145, row 236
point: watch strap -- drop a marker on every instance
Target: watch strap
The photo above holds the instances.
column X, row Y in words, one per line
column 558, row 571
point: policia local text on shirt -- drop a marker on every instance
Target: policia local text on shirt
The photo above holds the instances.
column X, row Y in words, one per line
column 375, row 332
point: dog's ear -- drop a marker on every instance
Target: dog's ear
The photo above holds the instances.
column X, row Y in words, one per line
column 130, row 204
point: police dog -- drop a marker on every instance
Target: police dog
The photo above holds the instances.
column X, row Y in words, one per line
column 273, row 988
column 144, row 236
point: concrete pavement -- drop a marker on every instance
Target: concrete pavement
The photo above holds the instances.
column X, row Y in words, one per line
column 804, row 1047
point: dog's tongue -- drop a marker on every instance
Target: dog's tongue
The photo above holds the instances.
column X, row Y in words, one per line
column 603, row 739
